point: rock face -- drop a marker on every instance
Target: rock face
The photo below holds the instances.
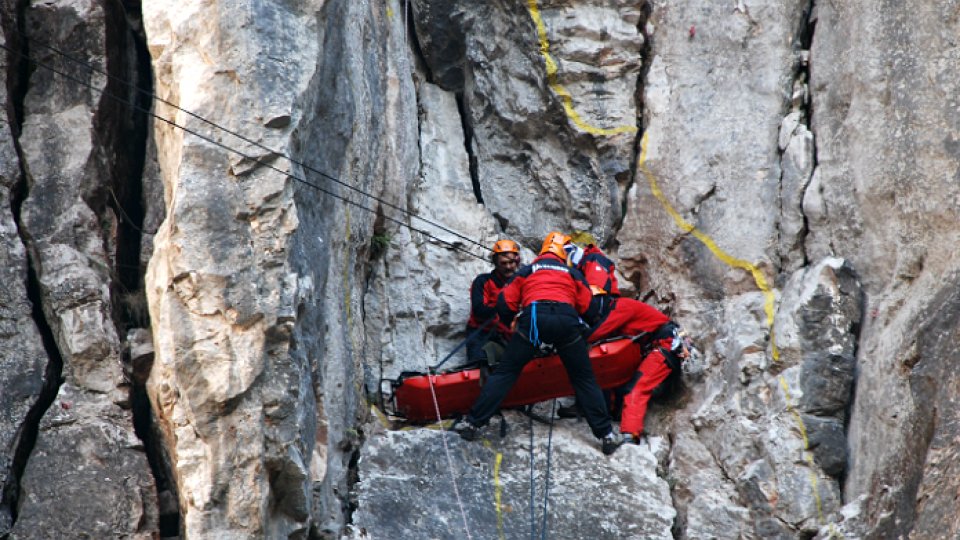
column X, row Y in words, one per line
column 236, row 409
column 873, row 186
column 22, row 357
column 209, row 272
column 79, row 469
column 552, row 108
column 485, row 489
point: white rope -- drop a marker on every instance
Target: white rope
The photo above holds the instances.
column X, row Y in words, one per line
column 446, row 447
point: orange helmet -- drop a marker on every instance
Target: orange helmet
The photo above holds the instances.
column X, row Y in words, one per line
column 554, row 243
column 506, row 246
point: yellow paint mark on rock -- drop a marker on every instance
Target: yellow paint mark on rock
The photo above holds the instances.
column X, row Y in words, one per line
column 558, row 88
column 768, row 309
column 758, row 277
column 497, row 493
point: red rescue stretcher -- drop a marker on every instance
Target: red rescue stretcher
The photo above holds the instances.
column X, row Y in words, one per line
column 614, row 364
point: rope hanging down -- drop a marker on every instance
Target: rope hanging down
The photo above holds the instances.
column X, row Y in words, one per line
column 546, row 488
column 451, row 245
column 446, row 449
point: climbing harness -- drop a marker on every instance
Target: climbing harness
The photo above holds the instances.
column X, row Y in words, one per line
column 534, row 334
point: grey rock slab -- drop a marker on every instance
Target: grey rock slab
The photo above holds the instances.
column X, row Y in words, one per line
column 85, row 476
column 406, row 487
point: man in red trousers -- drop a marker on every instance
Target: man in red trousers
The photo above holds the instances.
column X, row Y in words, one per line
column 664, row 348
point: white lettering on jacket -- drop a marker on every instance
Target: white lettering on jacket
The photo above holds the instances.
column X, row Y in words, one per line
column 536, row 267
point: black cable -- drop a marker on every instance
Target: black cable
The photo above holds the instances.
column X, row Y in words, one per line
column 258, row 161
column 249, row 141
column 462, row 344
column 533, row 514
column 546, row 489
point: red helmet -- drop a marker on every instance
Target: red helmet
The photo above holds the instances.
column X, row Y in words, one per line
column 554, row 243
column 506, row 246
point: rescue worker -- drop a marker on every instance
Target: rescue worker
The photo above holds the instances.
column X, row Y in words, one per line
column 664, row 348
column 550, row 298
column 486, row 335
column 664, row 355
column 597, row 269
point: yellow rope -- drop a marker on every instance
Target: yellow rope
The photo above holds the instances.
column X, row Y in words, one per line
column 807, row 455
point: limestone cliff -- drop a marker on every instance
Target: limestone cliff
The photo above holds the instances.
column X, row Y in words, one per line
column 225, row 224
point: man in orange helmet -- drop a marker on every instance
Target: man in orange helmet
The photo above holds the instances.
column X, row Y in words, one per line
column 550, row 297
column 486, row 335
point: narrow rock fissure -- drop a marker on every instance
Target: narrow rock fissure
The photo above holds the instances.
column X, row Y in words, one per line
column 379, row 244
column 18, row 68
column 468, row 137
column 680, row 520
column 350, row 502
column 415, row 47
column 806, row 41
column 30, row 429
column 420, row 66
column 129, row 64
column 125, row 197
column 646, row 10
column 700, row 199
column 53, row 378
column 803, row 104
column 848, row 410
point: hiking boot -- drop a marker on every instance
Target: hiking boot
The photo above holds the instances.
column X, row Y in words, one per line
column 467, row 431
column 630, row 438
column 610, row 443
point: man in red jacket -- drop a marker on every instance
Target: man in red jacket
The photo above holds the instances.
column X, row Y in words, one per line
column 484, row 326
column 550, row 298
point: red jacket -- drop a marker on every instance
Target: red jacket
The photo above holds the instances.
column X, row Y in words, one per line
column 547, row 278
column 484, row 292
column 599, row 270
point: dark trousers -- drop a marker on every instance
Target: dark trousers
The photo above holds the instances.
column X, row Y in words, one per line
column 557, row 324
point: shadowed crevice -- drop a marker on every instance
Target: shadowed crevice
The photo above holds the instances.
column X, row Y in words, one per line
column 800, row 101
column 468, row 138
column 646, row 10
column 127, row 115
